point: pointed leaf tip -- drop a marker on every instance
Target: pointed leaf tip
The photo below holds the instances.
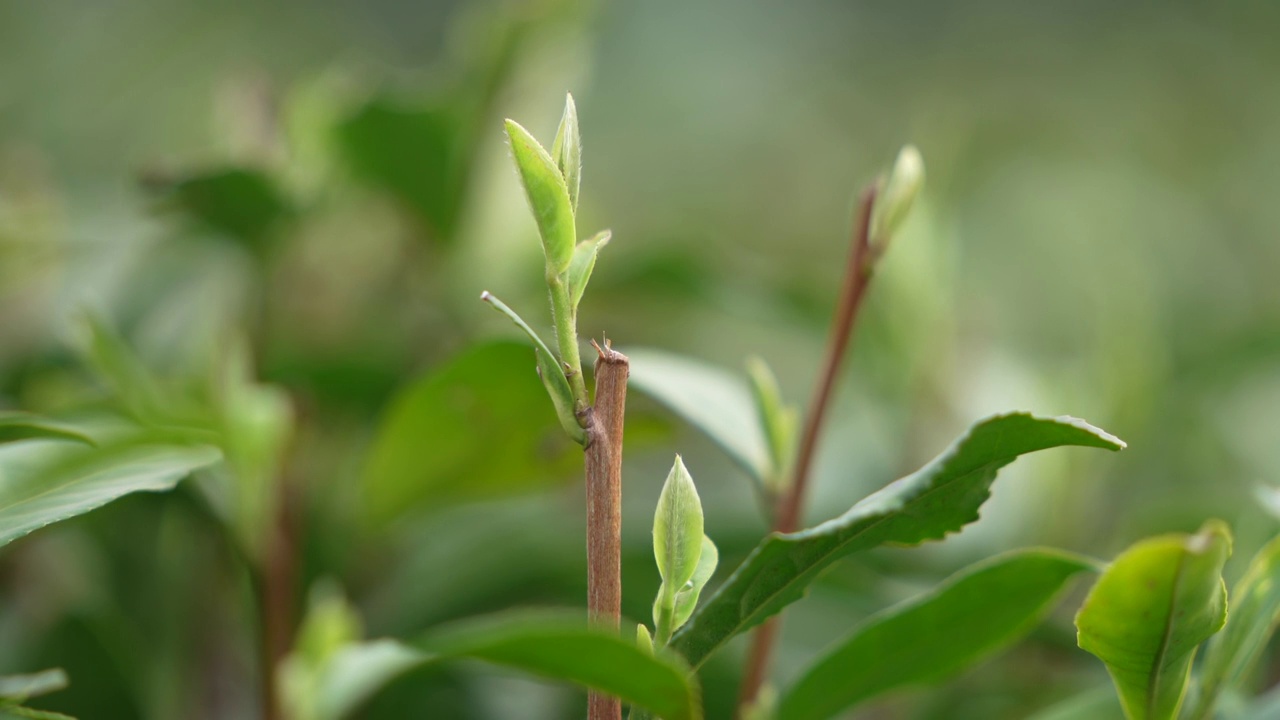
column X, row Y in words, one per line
column 548, row 196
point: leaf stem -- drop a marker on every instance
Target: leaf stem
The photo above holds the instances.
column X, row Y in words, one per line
column 604, row 422
column 565, row 320
column 857, row 278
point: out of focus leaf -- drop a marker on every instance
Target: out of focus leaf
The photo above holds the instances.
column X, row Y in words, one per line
column 23, row 687
column 241, row 203
column 777, row 418
column 940, row 498
column 716, row 402
column 414, row 153
column 15, row 426
column 975, row 613
column 1255, row 610
column 563, row 648
column 43, row 483
column 1099, row 704
column 1149, row 612
column 478, row 427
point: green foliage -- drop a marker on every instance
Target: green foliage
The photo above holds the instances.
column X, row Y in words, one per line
column 548, row 197
column 46, row 482
column 686, row 598
column 485, row 403
column 973, row 614
column 714, row 401
column 778, row 420
column 18, row 426
column 1255, row 610
column 678, row 544
column 584, row 261
column 938, row 499
column 897, row 195
column 567, row 151
column 563, row 648
column 16, row 690
column 241, row 204
column 549, row 372
column 1149, row 612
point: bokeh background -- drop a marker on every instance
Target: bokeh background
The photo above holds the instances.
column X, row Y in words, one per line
column 325, row 185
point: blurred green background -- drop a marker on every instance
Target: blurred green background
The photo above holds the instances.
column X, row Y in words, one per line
column 326, row 185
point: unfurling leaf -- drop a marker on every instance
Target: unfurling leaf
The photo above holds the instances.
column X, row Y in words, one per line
column 687, row 596
column 897, row 196
column 1149, row 612
column 777, row 419
column 549, row 371
column 1255, row 610
column 938, row 499
column 584, row 261
column 548, row 197
column 677, row 544
column 567, row 150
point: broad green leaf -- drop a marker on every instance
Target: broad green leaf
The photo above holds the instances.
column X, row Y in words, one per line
column 1149, row 612
column 17, row 426
column 480, row 426
column 564, row 648
column 712, row 400
column 1255, row 611
column 584, row 261
column 687, row 596
column 940, row 498
column 776, row 418
column 677, row 527
column 970, row 616
column 43, row 483
column 549, row 371
column 21, row 688
column 241, row 204
column 548, row 197
column 567, row 150
column 1098, row 704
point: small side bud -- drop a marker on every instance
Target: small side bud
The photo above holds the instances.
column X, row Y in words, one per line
column 567, row 150
column 896, row 197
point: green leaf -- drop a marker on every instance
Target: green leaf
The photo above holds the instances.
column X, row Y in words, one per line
column 1255, row 610
column 687, row 597
column 17, row 426
column 44, row 483
column 677, row 527
column 1097, row 704
column 414, row 151
column 549, row 370
column 1149, row 612
column 20, row 688
column 563, row 648
column 242, row 204
column 548, row 197
column 712, row 400
column 778, row 420
column 567, row 150
column 938, row 499
column 478, row 427
column 584, row 261
column 970, row 616
column 32, row 714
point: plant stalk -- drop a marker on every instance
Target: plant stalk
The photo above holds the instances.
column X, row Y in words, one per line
column 604, row 505
column 857, row 278
column 565, row 320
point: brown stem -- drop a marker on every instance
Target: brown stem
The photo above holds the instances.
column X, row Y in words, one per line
column 858, row 271
column 604, row 506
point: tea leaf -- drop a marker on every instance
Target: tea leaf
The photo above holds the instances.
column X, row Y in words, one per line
column 584, row 261
column 1255, row 611
column 687, row 597
column 1149, row 612
column 17, row 426
column 714, row 401
column 567, row 150
column 548, row 197
column 938, row 499
column 971, row 615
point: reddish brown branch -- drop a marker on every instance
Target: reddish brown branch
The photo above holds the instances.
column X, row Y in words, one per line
column 604, row 506
column 858, row 271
